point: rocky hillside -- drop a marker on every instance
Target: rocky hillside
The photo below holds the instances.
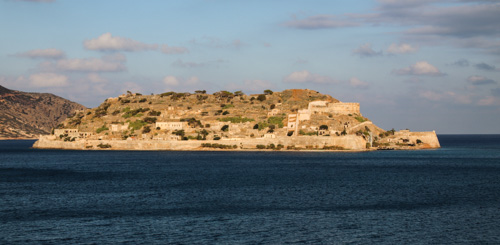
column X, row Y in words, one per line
column 26, row 115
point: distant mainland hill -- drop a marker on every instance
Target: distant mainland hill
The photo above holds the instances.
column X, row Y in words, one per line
column 28, row 115
column 294, row 119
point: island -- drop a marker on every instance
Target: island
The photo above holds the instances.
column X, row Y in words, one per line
column 291, row 120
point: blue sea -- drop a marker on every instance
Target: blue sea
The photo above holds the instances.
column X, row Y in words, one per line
column 447, row 195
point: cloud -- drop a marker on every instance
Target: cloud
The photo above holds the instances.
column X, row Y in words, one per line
column 48, row 80
column 401, row 48
column 356, row 83
column 320, row 22
column 366, row 50
column 488, row 101
column 446, row 96
column 170, row 81
column 421, row 68
column 106, row 42
column 307, row 77
column 463, row 23
column 495, row 92
column 480, row 80
column 214, row 42
column 189, row 64
column 51, row 53
column 461, row 63
column 95, row 78
column 86, row 65
column 485, row 67
column 173, row 50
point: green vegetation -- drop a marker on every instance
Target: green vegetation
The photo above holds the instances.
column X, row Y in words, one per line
column 179, row 132
column 154, row 113
column 276, row 120
column 419, row 141
column 150, row 120
column 268, row 91
column 133, row 113
column 227, row 106
column 360, row 119
column 333, row 147
column 219, row 146
column 225, row 128
column 103, row 128
column 138, row 124
column 238, row 119
column 323, row 127
column 193, row 122
column 261, row 97
column 104, row 146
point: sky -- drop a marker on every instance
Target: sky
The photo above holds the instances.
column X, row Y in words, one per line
column 418, row 64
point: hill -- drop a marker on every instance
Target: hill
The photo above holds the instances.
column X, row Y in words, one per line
column 295, row 119
column 27, row 115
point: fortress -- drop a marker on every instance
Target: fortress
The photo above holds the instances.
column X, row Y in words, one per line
column 287, row 120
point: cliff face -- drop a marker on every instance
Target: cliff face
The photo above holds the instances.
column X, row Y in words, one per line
column 27, row 115
column 292, row 119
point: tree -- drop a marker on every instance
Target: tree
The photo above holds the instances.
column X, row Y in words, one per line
column 268, row 91
column 323, row 127
column 238, row 93
column 225, row 128
column 261, row 97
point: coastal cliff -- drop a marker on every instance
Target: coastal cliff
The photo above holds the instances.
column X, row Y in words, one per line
column 289, row 120
column 27, row 115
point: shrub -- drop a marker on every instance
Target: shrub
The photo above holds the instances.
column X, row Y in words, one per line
column 103, row 128
column 104, row 146
column 323, row 127
column 150, row 119
column 225, row 113
column 419, row 141
column 261, row 147
column 146, row 129
column 268, row 91
column 142, row 100
column 261, row 97
column 227, row 106
column 138, row 124
column 238, row 119
column 276, row 120
column 360, row 119
column 225, row 128
column 154, row 113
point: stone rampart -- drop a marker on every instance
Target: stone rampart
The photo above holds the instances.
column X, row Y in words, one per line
column 349, row 142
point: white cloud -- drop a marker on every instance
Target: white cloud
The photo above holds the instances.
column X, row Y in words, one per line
column 89, row 65
column 421, row 68
column 192, row 81
column 320, row 22
column 170, row 81
column 480, row 80
column 173, row 50
column 95, row 78
column 488, row 101
column 307, row 77
column 107, row 42
column 366, row 50
column 401, row 48
column 50, row 53
column 356, row 83
column 48, row 80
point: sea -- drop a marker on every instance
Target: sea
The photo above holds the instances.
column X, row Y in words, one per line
column 449, row 195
